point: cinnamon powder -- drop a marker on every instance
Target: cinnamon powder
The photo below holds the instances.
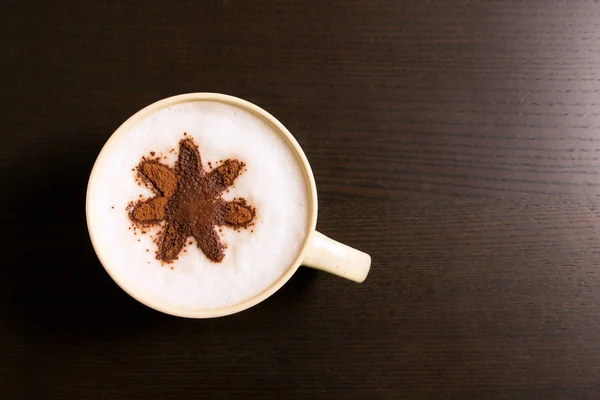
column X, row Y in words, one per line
column 159, row 176
column 188, row 200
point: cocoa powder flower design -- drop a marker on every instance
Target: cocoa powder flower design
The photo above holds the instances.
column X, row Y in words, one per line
column 188, row 203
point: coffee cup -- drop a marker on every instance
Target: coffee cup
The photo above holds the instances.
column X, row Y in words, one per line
column 314, row 249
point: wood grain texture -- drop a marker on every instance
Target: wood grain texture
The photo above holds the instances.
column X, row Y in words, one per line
column 457, row 142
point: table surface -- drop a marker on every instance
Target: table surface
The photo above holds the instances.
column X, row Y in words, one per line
column 457, row 142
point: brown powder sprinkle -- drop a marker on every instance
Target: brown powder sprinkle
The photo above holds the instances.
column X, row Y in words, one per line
column 238, row 213
column 188, row 203
column 229, row 171
column 150, row 211
column 158, row 176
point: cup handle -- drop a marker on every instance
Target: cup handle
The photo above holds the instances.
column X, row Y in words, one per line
column 336, row 258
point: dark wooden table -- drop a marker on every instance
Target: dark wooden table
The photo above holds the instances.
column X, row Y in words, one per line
column 457, row 142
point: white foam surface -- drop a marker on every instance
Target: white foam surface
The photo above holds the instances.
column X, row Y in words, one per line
column 274, row 183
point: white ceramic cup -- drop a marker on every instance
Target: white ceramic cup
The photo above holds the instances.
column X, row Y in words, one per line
column 317, row 250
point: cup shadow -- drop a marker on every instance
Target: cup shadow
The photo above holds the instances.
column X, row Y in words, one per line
column 296, row 287
column 55, row 286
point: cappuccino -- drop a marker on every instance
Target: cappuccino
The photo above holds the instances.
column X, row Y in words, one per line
column 200, row 205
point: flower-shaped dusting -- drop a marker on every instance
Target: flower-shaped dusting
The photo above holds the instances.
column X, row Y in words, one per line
column 188, row 203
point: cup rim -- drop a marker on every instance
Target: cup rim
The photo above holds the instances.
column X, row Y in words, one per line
column 148, row 300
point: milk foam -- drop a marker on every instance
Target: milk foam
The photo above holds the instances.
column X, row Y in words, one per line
column 274, row 183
